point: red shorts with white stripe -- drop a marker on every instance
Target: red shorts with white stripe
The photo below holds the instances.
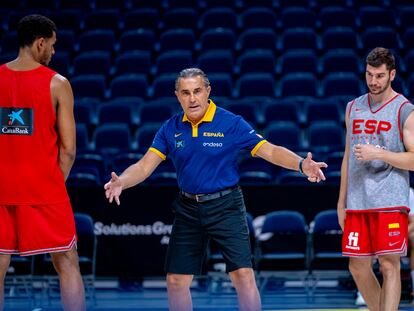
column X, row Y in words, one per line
column 36, row 229
column 373, row 233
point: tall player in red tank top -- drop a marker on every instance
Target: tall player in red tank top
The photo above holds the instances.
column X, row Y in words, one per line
column 37, row 139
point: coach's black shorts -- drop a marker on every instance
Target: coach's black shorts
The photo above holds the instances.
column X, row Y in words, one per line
column 222, row 219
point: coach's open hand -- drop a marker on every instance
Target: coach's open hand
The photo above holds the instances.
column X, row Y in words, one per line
column 312, row 169
column 113, row 189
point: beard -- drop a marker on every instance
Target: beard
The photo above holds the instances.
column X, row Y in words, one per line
column 378, row 91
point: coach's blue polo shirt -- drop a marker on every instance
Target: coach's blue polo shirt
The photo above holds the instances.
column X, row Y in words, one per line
column 205, row 154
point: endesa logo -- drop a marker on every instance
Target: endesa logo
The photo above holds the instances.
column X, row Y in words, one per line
column 361, row 126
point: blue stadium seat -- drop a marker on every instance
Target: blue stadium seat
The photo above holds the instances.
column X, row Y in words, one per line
column 284, row 133
column 124, row 160
column 281, row 111
column 294, row 17
column 129, row 85
column 257, row 61
column 95, row 62
column 133, row 62
column 65, row 41
column 322, row 4
column 82, row 139
column 11, row 4
column 90, row 163
column 334, row 160
column 246, row 110
column 177, row 39
column 408, row 38
column 89, row 86
column 82, row 180
column 340, row 38
column 256, row 84
column 216, row 61
column 298, row 38
column 294, row 3
column 259, row 3
column 154, row 113
column 380, row 36
column 337, row 16
column 258, row 38
column 326, row 240
column 112, row 138
column 221, row 84
column 341, row 84
column 406, row 16
column 292, row 178
column 372, row 16
column 283, row 242
column 410, row 86
column 97, row 40
column 9, row 42
column 341, row 60
column 180, row 18
column 103, row 19
column 398, row 85
column 147, row 18
column 67, row 20
column 220, row 3
column 60, row 63
column 145, row 135
column 297, row 61
column 75, row 4
column 164, row 85
column 184, row 4
column 7, row 57
column 258, row 17
column 116, row 113
column 400, row 3
column 290, row 82
column 111, row 4
column 84, row 111
column 174, row 61
column 218, row 39
column 153, row 4
column 219, row 17
column 372, row 3
column 325, row 136
column 256, row 164
column 322, row 111
column 138, row 39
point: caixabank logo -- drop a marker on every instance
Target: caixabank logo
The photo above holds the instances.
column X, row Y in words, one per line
column 16, row 121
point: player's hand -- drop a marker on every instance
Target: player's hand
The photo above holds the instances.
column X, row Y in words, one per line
column 313, row 169
column 113, row 189
column 367, row 152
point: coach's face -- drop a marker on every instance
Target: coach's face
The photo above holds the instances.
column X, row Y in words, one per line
column 193, row 96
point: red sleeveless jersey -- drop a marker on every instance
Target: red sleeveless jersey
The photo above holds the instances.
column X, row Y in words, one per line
column 29, row 169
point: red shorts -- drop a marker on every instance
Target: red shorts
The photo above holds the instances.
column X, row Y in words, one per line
column 37, row 229
column 375, row 233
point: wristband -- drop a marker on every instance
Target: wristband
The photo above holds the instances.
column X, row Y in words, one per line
column 300, row 166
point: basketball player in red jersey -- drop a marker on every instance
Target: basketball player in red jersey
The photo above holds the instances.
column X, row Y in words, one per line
column 37, row 139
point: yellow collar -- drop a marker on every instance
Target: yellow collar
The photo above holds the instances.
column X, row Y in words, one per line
column 208, row 116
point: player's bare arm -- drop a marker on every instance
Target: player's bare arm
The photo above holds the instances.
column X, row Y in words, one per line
column 63, row 102
column 132, row 176
column 284, row 157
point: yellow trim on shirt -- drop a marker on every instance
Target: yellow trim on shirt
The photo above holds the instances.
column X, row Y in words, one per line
column 208, row 117
column 253, row 152
column 394, row 226
column 157, row 152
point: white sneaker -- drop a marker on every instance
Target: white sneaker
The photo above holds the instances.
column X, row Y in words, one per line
column 360, row 300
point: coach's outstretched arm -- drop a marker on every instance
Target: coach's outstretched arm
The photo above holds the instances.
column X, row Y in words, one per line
column 284, row 157
column 132, row 176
